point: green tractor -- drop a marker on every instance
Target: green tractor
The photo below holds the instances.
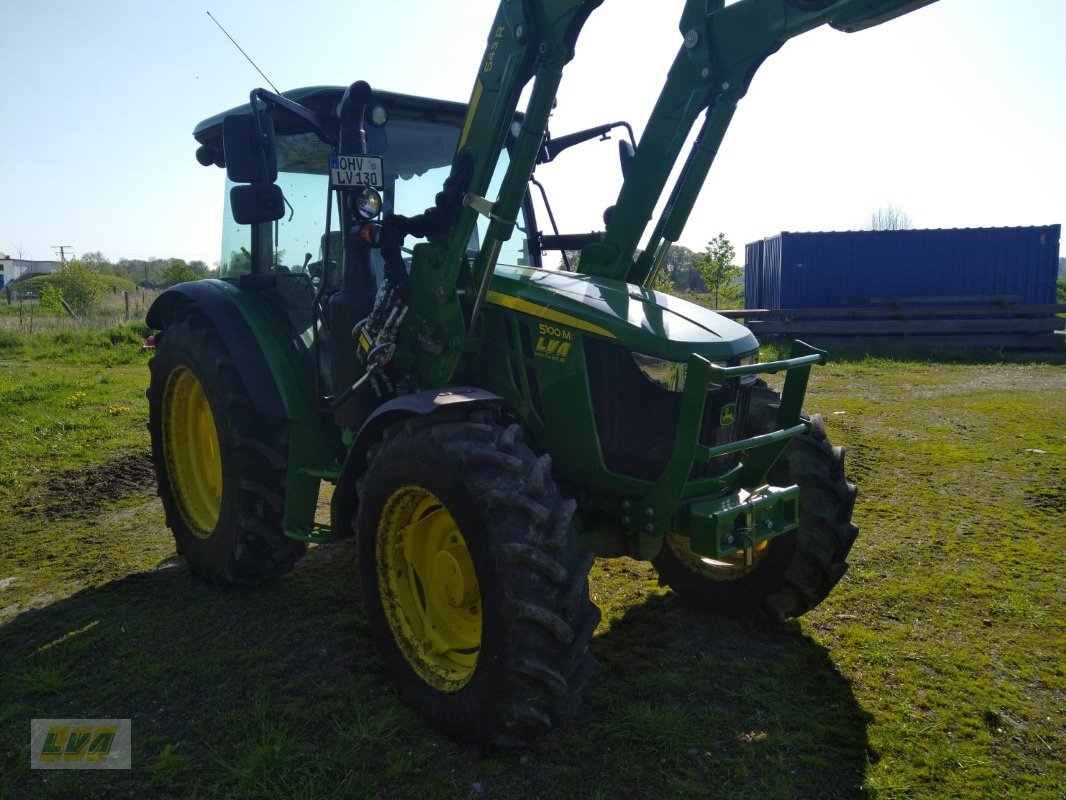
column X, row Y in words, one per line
column 387, row 322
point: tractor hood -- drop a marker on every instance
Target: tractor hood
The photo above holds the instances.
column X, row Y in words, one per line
column 643, row 320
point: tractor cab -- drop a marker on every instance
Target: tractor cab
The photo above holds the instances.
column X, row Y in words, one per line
column 416, row 139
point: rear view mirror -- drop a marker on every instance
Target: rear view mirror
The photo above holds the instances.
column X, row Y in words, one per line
column 260, row 202
column 250, row 151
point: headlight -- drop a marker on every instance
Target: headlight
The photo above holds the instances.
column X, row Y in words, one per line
column 670, row 375
column 368, row 203
column 747, row 380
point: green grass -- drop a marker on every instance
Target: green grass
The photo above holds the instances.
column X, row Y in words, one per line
column 935, row 670
column 24, row 315
column 106, row 347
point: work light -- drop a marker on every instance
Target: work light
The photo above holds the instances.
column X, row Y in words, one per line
column 368, row 203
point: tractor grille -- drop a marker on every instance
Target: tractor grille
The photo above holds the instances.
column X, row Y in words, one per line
column 713, row 433
column 636, row 419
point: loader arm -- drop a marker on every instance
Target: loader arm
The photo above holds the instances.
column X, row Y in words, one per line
column 722, row 47
column 529, row 40
column 721, row 50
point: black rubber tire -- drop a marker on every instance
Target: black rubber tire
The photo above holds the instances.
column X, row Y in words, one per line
column 247, row 545
column 799, row 569
column 537, row 619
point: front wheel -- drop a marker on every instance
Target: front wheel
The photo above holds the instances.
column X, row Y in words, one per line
column 473, row 580
column 789, row 575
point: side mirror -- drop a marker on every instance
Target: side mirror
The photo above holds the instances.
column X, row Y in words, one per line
column 255, row 203
column 250, row 152
column 625, row 154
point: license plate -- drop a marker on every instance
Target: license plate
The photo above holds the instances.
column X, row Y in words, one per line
column 356, row 171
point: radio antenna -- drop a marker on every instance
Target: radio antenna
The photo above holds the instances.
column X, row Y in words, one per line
column 272, row 86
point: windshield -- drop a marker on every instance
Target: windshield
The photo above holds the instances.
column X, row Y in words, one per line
column 417, row 158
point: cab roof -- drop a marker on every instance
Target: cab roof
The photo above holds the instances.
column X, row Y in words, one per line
column 325, row 101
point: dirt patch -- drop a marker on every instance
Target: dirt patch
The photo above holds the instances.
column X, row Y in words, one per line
column 80, row 493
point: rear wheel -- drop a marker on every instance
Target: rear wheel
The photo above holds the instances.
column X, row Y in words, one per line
column 220, row 461
column 473, row 579
column 791, row 574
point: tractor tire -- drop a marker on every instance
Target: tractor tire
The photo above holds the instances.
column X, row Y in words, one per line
column 474, row 583
column 790, row 574
column 220, row 461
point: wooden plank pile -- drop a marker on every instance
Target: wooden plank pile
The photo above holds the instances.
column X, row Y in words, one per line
column 943, row 321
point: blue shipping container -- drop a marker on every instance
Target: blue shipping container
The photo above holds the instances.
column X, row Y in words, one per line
column 837, row 269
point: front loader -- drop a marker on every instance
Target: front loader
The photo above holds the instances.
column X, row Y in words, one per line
column 385, row 322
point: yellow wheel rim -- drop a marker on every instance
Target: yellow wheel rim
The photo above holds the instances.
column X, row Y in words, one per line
column 428, row 588
column 727, row 568
column 190, row 447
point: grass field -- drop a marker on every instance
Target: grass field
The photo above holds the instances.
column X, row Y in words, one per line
column 21, row 314
column 937, row 669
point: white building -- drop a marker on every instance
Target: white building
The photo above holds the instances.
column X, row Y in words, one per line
column 11, row 269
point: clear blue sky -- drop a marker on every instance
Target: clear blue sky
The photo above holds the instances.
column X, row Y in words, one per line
column 955, row 112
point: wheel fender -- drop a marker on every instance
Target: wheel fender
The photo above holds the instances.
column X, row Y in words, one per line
column 345, row 496
column 224, row 307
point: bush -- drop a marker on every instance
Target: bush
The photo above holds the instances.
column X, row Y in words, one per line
column 51, row 299
column 82, row 285
column 126, row 334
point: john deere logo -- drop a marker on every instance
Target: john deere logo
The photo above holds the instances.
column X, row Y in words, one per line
column 728, row 415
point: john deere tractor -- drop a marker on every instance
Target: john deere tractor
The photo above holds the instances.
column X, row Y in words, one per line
column 389, row 321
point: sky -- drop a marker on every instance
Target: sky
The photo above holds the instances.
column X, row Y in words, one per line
column 955, row 113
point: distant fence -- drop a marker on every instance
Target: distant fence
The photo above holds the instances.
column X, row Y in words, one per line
column 23, row 312
column 941, row 321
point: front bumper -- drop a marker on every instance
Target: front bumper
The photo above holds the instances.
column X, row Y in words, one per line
column 725, row 513
column 720, row 526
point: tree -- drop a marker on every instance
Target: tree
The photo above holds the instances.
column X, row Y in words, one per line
column 678, row 272
column 96, row 260
column 680, row 265
column 101, row 264
column 715, row 266
column 889, row 218
column 663, row 282
column 180, row 272
column 81, row 284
